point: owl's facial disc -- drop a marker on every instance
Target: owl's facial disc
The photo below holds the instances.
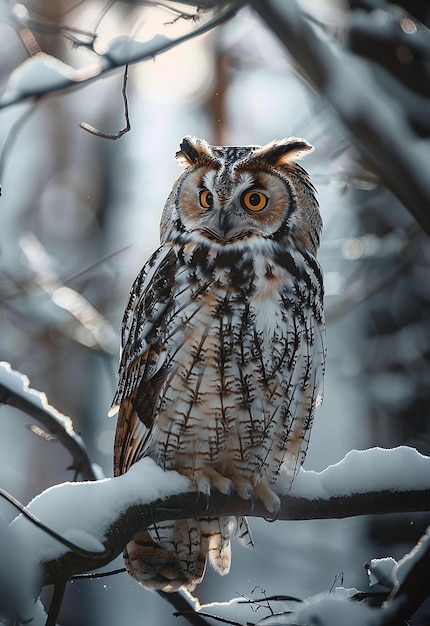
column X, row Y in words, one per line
column 229, row 209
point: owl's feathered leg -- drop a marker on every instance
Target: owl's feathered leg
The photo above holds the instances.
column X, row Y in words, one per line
column 172, row 555
column 167, row 556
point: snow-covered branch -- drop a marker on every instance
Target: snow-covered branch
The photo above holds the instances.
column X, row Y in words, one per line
column 103, row 515
column 380, row 131
column 44, row 74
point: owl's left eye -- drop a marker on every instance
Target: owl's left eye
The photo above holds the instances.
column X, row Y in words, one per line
column 206, row 199
column 254, row 200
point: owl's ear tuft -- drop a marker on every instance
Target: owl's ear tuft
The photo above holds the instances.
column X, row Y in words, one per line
column 192, row 150
column 284, row 151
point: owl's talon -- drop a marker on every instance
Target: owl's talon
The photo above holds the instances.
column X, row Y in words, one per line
column 207, row 501
column 203, row 485
column 230, row 491
column 269, row 498
column 276, row 514
column 251, row 502
column 245, row 491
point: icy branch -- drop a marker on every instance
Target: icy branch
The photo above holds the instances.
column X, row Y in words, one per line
column 116, row 508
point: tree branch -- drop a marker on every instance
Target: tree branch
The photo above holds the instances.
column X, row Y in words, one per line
column 117, row 508
column 15, row 391
column 381, row 133
column 43, row 74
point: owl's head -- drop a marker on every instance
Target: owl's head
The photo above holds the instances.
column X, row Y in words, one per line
column 228, row 195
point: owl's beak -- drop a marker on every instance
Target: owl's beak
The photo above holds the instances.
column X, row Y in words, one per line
column 224, row 224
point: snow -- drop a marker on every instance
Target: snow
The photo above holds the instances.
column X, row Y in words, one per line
column 33, row 613
column 360, row 471
column 330, row 610
column 83, row 539
column 18, row 582
column 382, row 572
column 83, row 512
column 39, row 74
column 244, row 610
column 122, row 50
column 18, row 384
column 326, row 609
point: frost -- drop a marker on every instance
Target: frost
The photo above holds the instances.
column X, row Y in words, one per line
column 360, row 471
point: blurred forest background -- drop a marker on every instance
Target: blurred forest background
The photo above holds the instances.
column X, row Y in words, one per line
column 79, row 216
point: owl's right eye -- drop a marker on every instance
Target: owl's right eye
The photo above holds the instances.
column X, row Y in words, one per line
column 206, row 199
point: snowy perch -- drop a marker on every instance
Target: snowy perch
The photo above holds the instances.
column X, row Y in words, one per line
column 102, row 516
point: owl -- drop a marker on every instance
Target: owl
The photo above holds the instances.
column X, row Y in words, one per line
column 223, row 346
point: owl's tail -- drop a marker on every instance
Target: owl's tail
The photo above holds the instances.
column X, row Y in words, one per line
column 172, row 555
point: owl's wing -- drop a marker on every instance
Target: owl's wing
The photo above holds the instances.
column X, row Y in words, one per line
column 305, row 363
column 142, row 356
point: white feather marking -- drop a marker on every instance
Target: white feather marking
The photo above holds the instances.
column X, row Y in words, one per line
column 209, row 180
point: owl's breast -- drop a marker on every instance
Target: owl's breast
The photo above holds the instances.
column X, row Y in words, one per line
column 241, row 368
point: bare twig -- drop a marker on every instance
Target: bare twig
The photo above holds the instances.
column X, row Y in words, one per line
column 127, row 127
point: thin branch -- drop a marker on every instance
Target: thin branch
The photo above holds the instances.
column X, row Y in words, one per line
column 201, row 614
column 184, row 608
column 91, row 554
column 127, row 127
column 96, row 575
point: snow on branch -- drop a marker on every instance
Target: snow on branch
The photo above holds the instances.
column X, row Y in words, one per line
column 15, row 391
column 102, row 516
column 381, row 132
column 44, row 74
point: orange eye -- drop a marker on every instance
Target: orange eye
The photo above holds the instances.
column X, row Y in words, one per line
column 254, row 200
column 206, row 199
